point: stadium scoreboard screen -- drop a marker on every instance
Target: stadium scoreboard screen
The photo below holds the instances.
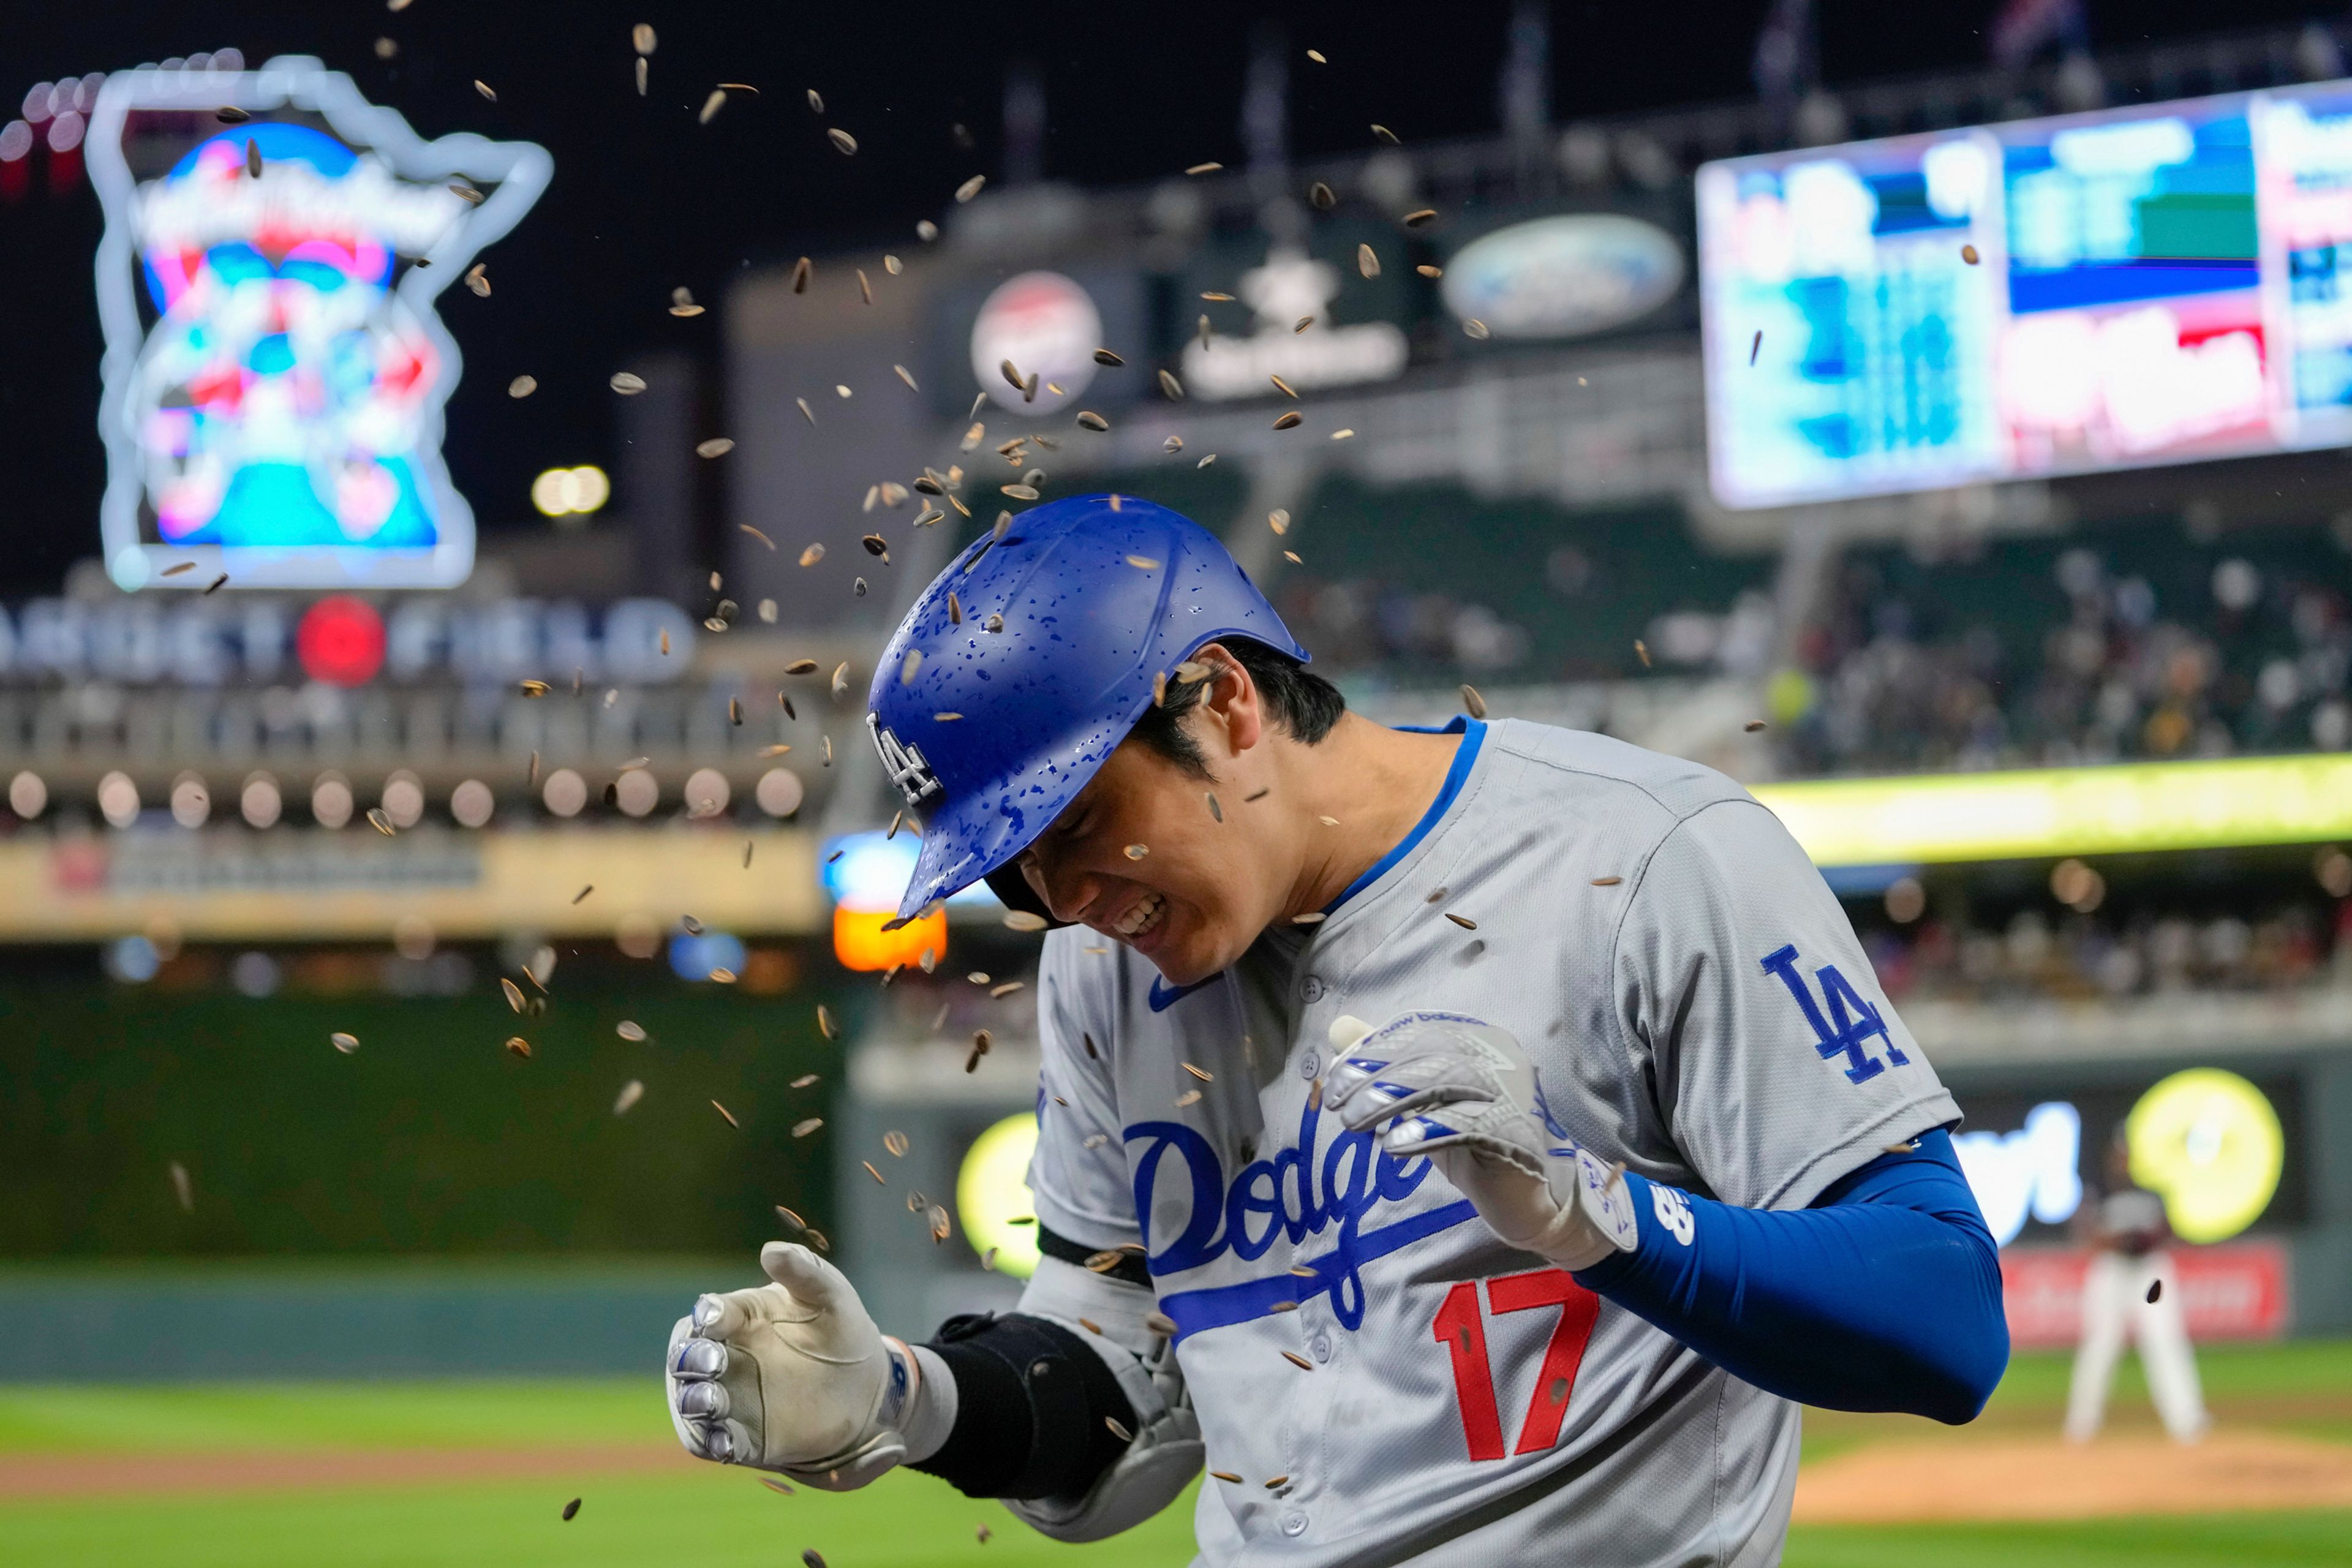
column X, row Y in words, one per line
column 2149, row 285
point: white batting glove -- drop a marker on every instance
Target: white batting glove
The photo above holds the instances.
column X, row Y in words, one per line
column 793, row 1376
column 1463, row 1092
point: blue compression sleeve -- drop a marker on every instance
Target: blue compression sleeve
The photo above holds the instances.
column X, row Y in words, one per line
column 1886, row 1295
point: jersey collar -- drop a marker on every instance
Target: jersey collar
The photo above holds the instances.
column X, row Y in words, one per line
column 1473, row 732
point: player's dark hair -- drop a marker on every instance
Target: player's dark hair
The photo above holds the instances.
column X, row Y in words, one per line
column 1304, row 703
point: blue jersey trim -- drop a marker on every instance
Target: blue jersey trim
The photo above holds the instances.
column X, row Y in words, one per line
column 1465, row 755
column 1161, row 998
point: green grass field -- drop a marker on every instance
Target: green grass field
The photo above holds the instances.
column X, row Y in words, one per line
column 716, row 1518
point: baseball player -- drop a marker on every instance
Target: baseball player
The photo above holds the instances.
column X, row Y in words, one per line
column 1468, row 1146
column 2132, row 1286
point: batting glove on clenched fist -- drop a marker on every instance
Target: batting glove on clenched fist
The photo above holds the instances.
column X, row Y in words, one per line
column 793, row 1376
column 1464, row 1093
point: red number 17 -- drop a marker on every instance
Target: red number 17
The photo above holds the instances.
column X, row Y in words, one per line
column 1463, row 1333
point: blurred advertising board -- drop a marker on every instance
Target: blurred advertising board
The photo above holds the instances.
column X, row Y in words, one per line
column 276, row 366
column 2238, row 1291
column 2146, row 285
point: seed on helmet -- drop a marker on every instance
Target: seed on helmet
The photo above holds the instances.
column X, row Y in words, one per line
column 908, row 667
column 1288, row 421
column 993, row 624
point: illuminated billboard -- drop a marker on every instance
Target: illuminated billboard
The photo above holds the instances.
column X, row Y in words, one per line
column 2140, row 285
column 275, row 369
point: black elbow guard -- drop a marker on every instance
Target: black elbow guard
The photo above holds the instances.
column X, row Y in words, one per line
column 1032, row 1399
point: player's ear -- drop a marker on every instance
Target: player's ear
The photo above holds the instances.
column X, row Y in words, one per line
column 1232, row 702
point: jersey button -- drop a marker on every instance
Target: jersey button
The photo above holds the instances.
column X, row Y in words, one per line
column 1294, row 1523
column 1309, row 1065
column 1319, row 1347
column 1311, row 988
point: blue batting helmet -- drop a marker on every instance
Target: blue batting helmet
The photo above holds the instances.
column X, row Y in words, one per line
column 1030, row 658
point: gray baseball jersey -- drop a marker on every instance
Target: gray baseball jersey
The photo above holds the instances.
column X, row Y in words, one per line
column 1697, row 1005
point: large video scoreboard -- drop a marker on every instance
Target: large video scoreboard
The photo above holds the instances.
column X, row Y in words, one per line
column 2149, row 285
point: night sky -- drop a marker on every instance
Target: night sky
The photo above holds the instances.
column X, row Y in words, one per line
column 645, row 200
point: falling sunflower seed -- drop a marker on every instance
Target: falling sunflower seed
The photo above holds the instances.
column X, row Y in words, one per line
column 572, row 1509
column 712, row 105
column 802, row 1129
column 970, row 188
column 513, row 992
column 253, row 159
column 1089, row 420
column 631, row 1093
column 1474, row 328
column 1301, row 1363
column 941, row 1229
column 1754, row 344
column 380, row 821
column 1322, row 196
column 1366, row 262
column 641, row 74
column 1020, row 493
column 1753, row 725
column 227, row 114
column 810, row 557
column 1200, row 1073
column 998, row 992
column 1426, row 270
column 717, row 446
column 517, row 1046
column 627, row 384
column 522, row 386
column 1289, row 421
column 1465, row 922
column 1169, row 387
column 344, row 1043
column 1641, row 649
column 1117, row 1431
column 824, row 1022
column 1419, row 219
column 1190, row 1097
column 1969, row 255
column 216, row 583
column 466, row 194
column 1472, row 703
column 1204, row 168
column 1312, row 917
column 843, row 141
column 642, row 37
column 478, row 278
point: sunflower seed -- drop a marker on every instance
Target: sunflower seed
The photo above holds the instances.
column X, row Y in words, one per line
column 1301, row 325
column 216, row 583
column 1755, row 343
column 773, row 1485
column 229, row 115
column 478, row 278
column 1169, row 387
column 940, row 1229
column 980, row 1533
column 1020, row 493
column 970, row 188
column 802, row 1129
column 631, row 1093
column 466, row 194
column 1137, row 851
column 1312, row 917
column 1215, row 298
column 1283, row 386
column 1089, row 420
column 824, row 1022
column 642, row 37
column 876, row 546
column 513, row 991
column 1473, row 326
column 1322, row 196
column 1104, row 1262
column 344, row 1043
column 1300, row 1362
column 711, row 106
column 993, row 624
column 1753, row 725
column 1417, row 219
column 1204, row 168
column 1200, row 330
column 1261, row 795
column 1283, row 1307
column 627, row 384
column 843, row 141
column 1117, row 1431
column 1606, row 881
column 802, row 271
column 719, row 447
column 1302, row 1270
column 179, row 566
column 629, row 1029
column 1472, row 703
column 1190, row 1097
column 1226, row 1475
column 1289, row 421
column 253, row 159
column 1465, row 922
column 999, row 993
column 1642, row 649
column 517, row 1046
column 572, row 1507
column 1426, row 270
column 907, row 668
column 1968, row 254
column 522, row 386
column 926, row 230
column 1204, row 1076
column 641, row 74
column 1387, row 135
column 379, row 821
column 812, row 1558
column 1090, row 1325
column 806, row 412
column 1367, row 263
column 892, row 266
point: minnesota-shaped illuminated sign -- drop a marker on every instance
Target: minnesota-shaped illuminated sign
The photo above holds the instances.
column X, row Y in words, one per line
column 276, row 368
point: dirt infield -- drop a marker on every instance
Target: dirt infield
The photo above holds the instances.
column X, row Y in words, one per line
column 35, row 1476
column 2046, row 1477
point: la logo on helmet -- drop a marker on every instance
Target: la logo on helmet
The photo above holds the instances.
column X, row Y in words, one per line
column 905, row 763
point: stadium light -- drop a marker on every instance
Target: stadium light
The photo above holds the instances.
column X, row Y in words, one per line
column 993, row 1192
column 571, row 492
column 2030, row 813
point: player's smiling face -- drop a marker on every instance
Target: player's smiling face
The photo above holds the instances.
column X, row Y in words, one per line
column 1142, row 859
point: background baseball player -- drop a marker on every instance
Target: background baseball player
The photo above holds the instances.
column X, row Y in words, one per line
column 2132, row 1289
column 1481, row 1137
